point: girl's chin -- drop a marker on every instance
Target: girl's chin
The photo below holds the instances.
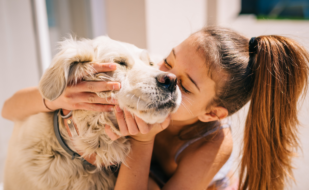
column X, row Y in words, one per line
column 174, row 116
column 178, row 115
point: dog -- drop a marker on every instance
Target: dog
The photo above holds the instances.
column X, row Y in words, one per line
column 36, row 160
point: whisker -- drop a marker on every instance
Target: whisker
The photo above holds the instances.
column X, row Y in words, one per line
column 187, row 99
column 148, row 105
column 137, row 102
column 184, row 96
column 183, row 104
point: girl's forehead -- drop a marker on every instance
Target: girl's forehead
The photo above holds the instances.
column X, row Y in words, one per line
column 194, row 64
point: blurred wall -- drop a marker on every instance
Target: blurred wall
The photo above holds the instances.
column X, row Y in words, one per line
column 19, row 65
column 169, row 22
column 156, row 25
column 126, row 21
column 70, row 17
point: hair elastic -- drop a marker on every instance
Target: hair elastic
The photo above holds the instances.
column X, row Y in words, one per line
column 252, row 52
column 252, row 46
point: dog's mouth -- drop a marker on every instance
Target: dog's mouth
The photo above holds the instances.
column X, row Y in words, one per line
column 155, row 106
column 168, row 104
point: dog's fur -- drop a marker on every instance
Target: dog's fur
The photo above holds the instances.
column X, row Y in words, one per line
column 35, row 158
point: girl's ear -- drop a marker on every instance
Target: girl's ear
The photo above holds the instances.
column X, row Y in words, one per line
column 215, row 113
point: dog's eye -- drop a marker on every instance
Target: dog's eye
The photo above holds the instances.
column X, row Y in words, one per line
column 151, row 63
column 122, row 63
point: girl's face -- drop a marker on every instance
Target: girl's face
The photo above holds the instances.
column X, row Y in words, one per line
column 197, row 88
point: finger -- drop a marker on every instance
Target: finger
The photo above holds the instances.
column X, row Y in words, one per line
column 97, row 68
column 108, row 130
column 121, row 121
column 98, row 86
column 93, row 107
column 144, row 128
column 132, row 126
column 89, row 97
column 104, row 67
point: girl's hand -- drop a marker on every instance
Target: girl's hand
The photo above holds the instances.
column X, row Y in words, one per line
column 135, row 127
column 82, row 96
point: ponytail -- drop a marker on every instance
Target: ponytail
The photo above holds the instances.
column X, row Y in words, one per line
column 273, row 76
column 280, row 74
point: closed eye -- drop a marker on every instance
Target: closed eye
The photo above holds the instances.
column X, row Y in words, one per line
column 167, row 64
column 183, row 88
column 121, row 61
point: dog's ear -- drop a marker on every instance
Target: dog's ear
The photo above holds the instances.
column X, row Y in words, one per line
column 72, row 53
column 154, row 59
column 54, row 80
column 144, row 56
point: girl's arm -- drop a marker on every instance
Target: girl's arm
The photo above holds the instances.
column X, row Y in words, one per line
column 134, row 173
column 29, row 101
column 23, row 103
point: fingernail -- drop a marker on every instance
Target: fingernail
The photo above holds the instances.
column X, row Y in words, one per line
column 116, row 86
column 111, row 108
column 118, row 109
column 114, row 101
column 112, row 66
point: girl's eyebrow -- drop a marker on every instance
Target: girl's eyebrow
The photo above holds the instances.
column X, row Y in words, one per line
column 193, row 81
column 174, row 53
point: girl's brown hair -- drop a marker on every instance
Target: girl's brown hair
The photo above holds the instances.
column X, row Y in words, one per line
column 273, row 78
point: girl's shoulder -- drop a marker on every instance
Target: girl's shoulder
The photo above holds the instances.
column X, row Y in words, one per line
column 222, row 142
column 219, row 135
column 202, row 161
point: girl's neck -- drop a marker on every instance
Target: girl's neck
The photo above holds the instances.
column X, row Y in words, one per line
column 175, row 126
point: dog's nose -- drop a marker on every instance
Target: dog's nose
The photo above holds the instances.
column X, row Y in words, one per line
column 167, row 81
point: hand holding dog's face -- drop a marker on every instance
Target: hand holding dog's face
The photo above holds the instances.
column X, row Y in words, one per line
column 83, row 94
column 135, row 127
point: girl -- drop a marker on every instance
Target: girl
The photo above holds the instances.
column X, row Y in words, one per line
column 219, row 71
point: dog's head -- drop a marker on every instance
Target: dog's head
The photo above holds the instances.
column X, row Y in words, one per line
column 145, row 91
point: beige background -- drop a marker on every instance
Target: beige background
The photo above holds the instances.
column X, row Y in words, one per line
column 19, row 65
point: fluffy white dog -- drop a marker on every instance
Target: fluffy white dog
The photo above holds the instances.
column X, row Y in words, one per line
column 36, row 160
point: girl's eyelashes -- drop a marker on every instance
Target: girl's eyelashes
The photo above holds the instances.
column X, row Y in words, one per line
column 183, row 88
column 167, row 64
